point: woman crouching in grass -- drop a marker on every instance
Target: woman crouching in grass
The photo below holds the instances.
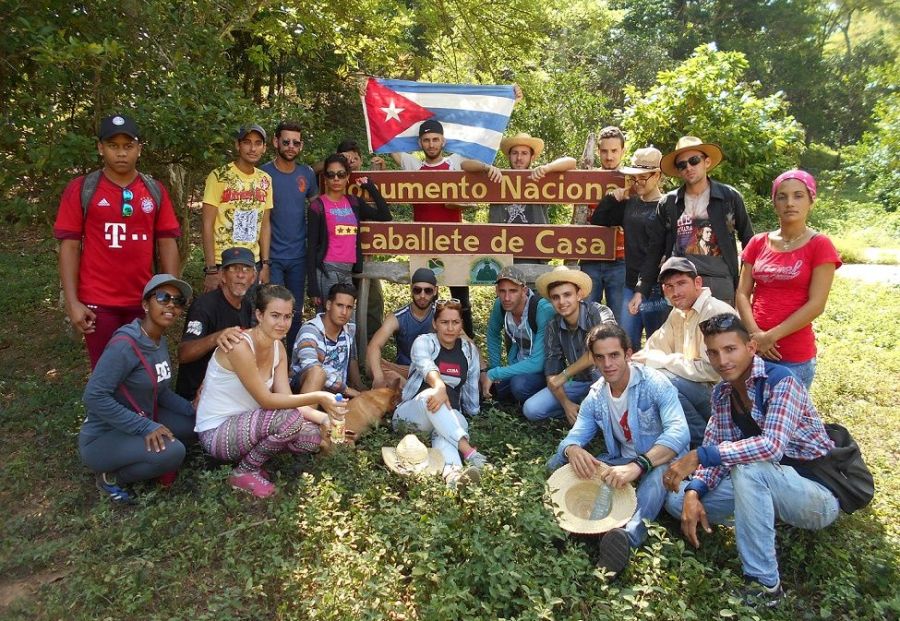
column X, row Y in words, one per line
column 246, row 412
column 136, row 426
column 443, row 382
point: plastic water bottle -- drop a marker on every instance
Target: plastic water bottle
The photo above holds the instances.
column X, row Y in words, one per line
column 338, row 421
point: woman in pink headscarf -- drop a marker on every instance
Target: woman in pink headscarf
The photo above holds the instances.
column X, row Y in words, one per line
column 786, row 278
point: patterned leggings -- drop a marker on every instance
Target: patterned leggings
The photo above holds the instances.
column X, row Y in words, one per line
column 253, row 438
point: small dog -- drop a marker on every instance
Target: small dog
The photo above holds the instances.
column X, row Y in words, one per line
column 365, row 413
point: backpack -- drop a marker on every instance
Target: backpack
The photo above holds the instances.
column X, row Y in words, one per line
column 842, row 470
column 92, row 180
column 531, row 313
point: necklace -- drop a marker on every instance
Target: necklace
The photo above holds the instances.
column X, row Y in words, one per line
column 787, row 244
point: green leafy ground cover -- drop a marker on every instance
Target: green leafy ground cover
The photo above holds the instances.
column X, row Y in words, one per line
column 345, row 539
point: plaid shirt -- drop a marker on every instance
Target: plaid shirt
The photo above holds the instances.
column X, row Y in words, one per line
column 563, row 346
column 790, row 427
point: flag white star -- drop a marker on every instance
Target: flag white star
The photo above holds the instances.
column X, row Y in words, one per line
column 392, row 112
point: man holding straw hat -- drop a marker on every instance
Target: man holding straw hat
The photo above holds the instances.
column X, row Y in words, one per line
column 637, row 410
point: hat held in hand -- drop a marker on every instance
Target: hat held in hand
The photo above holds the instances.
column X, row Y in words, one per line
column 589, row 506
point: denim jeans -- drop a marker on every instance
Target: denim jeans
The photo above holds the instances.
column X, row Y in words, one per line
column 608, row 278
column 652, row 315
column 520, row 388
column 651, row 495
column 543, row 404
column 292, row 274
column 446, row 426
column 694, row 398
column 803, row 371
column 752, row 498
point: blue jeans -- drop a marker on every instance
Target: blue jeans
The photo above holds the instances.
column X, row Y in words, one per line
column 520, row 388
column 652, row 315
column 803, row 371
column 694, row 398
column 752, row 498
column 292, row 274
column 608, row 278
column 543, row 404
column 651, row 495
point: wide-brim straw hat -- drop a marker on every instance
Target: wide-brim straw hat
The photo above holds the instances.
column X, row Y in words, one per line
column 410, row 456
column 563, row 274
column 643, row 161
column 536, row 144
column 589, row 506
column 690, row 143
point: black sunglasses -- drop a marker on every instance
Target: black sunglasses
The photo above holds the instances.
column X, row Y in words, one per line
column 421, row 290
column 340, row 174
column 127, row 209
column 286, row 143
column 692, row 160
column 716, row 324
column 164, row 297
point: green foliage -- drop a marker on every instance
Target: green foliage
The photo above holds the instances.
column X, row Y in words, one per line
column 707, row 96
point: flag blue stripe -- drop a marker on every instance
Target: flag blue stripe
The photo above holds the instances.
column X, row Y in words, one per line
column 487, row 120
column 459, row 89
column 471, row 150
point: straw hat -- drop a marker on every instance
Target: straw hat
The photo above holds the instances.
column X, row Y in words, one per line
column 412, row 457
column 563, row 274
column 589, row 506
column 643, row 161
column 536, row 144
column 690, row 143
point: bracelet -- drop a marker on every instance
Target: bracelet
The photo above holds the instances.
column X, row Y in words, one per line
column 266, row 261
column 566, row 374
column 211, row 269
column 484, row 370
column 643, row 463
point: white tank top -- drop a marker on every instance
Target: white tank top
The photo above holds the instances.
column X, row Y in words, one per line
column 223, row 394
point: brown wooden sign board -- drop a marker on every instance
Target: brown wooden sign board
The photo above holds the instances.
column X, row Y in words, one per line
column 524, row 241
column 516, row 187
column 459, row 270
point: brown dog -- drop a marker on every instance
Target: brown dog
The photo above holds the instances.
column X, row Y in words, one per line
column 366, row 412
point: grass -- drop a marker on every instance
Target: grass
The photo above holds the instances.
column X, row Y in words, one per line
column 345, row 539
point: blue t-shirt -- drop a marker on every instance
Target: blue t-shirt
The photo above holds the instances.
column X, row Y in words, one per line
column 291, row 193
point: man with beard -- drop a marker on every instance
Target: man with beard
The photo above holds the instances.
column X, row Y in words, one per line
column 213, row 318
column 405, row 325
column 293, row 186
column 237, row 200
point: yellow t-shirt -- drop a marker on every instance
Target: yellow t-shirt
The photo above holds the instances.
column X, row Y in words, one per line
column 241, row 200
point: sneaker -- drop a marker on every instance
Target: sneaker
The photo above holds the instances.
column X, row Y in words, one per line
column 615, row 551
column 476, row 460
column 112, row 491
column 252, row 482
column 457, row 478
column 756, row 594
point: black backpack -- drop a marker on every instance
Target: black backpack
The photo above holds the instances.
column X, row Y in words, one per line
column 92, row 180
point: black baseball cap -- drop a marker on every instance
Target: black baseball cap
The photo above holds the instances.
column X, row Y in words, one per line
column 118, row 124
column 423, row 274
column 243, row 130
column 238, row 256
column 431, row 127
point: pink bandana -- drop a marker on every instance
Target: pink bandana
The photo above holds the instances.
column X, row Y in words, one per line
column 800, row 175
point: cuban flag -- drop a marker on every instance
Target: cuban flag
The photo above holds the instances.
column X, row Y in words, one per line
column 474, row 116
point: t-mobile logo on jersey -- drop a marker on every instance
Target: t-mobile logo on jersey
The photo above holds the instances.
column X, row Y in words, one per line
column 114, row 233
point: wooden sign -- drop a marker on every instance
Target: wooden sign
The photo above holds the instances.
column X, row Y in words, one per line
column 516, row 187
column 526, row 241
column 459, row 270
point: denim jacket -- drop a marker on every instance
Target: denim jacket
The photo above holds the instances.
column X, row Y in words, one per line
column 424, row 350
column 655, row 416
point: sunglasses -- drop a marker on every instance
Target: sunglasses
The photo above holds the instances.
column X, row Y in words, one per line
column 642, row 178
column 286, row 143
column 421, row 290
column 448, row 302
column 340, row 174
column 164, row 298
column 719, row 323
column 692, row 160
column 127, row 209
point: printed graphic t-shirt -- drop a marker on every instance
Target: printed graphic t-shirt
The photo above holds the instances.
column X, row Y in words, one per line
column 781, row 286
column 454, row 369
column 618, row 413
column 342, row 227
column 117, row 250
column 241, row 201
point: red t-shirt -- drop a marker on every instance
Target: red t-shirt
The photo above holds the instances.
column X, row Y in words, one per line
column 781, row 286
column 433, row 212
column 117, row 251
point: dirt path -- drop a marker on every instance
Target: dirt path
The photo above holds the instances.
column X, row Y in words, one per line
column 872, row 274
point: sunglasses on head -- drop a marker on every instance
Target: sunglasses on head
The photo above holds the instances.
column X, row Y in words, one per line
column 421, row 290
column 716, row 324
column 340, row 174
column 164, row 297
column 450, row 301
column 692, row 160
column 286, row 143
column 127, row 196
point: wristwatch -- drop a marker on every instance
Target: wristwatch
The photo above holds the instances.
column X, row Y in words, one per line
column 211, row 269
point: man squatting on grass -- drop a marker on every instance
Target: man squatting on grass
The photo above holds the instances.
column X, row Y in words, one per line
column 405, row 325
column 567, row 363
column 745, row 472
column 637, row 410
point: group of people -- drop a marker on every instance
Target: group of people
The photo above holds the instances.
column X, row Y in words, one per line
column 667, row 370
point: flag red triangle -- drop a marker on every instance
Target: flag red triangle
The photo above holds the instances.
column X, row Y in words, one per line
column 388, row 113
